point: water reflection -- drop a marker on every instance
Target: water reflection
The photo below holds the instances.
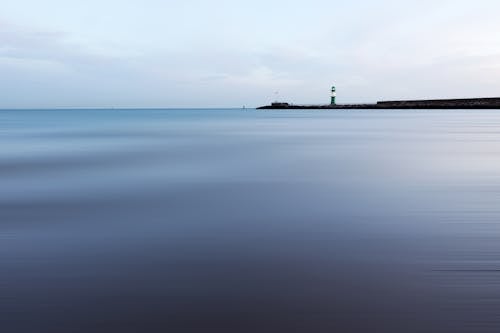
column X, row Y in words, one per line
column 247, row 221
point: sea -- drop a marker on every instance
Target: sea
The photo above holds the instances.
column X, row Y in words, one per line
column 244, row 220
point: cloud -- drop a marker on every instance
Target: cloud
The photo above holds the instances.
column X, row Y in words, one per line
column 38, row 49
column 43, row 69
column 243, row 54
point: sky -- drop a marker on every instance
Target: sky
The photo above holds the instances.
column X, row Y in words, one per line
column 222, row 53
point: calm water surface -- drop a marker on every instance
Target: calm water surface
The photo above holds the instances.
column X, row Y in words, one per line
column 249, row 221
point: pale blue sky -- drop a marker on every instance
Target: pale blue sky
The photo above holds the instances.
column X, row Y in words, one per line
column 194, row 53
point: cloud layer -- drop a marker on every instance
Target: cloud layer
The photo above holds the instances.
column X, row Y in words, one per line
column 222, row 53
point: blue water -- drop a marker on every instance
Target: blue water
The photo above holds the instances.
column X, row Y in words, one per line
column 249, row 221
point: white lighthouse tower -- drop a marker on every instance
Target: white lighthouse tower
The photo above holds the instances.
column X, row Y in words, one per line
column 334, row 95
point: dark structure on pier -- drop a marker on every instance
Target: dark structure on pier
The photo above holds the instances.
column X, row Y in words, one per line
column 470, row 103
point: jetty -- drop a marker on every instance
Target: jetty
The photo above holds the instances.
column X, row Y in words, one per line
column 466, row 103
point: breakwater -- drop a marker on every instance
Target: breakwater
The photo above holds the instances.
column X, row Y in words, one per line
column 466, row 103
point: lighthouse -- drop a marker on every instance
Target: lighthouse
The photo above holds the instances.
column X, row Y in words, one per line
column 334, row 95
